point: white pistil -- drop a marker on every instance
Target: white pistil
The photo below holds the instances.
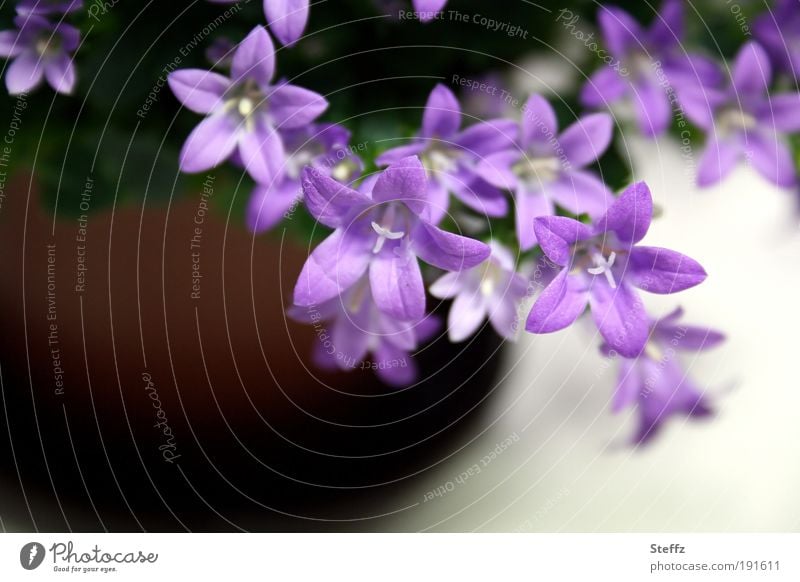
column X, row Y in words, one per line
column 245, row 106
column 384, row 234
column 603, row 267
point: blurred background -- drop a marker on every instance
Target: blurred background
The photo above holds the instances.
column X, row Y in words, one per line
column 129, row 405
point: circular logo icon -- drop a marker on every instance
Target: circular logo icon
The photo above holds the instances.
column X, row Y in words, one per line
column 31, row 555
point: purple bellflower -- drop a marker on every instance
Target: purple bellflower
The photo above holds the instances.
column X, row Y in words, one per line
column 48, row 7
column 601, row 267
column 40, row 50
column 778, row 31
column 492, row 290
column 655, row 383
column 244, row 112
column 359, row 328
column 548, row 168
column 322, row 146
column 287, row 18
column 383, row 233
column 743, row 121
column 645, row 63
column 451, row 156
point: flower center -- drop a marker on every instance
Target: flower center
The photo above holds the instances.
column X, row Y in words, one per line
column 492, row 274
column 246, row 100
column 388, row 227
column 734, row 119
column 537, row 169
column 603, row 267
column 440, row 160
column 344, row 170
column 47, row 45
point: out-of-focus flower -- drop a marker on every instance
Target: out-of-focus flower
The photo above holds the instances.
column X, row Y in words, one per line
column 655, row 382
column 40, row 50
column 322, row 146
column 602, row 266
column 287, row 18
column 244, row 112
column 646, row 65
column 428, row 9
column 743, row 121
column 778, row 31
column 452, row 155
column 358, row 328
column 491, row 290
column 46, row 7
column 220, row 52
column 383, row 233
column 549, row 167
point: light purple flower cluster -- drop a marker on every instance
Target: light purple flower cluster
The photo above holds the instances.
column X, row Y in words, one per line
column 654, row 381
column 742, row 119
column 41, row 49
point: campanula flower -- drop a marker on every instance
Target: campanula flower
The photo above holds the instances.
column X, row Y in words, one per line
column 47, row 7
column 322, row 146
column 383, row 233
column 548, row 168
column 287, row 18
column 602, row 266
column 451, row 155
column 40, row 50
column 655, row 382
column 744, row 121
column 352, row 333
column 244, row 112
column 646, row 65
column 493, row 290
column 778, row 31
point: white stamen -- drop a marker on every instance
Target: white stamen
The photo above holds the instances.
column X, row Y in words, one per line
column 384, row 234
column 441, row 162
column 603, row 267
column 245, row 107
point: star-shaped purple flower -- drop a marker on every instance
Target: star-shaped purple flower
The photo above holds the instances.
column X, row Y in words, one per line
column 356, row 328
column 383, row 233
column 287, row 18
column 322, row 146
column 743, row 121
column 40, row 50
column 778, row 31
column 46, row 7
column 602, row 266
column 646, row 64
column 656, row 384
column 492, row 290
column 244, row 111
column 451, row 156
column 548, row 168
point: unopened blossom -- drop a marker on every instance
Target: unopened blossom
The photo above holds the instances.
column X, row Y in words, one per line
column 743, row 121
column 778, row 31
column 383, row 234
column 357, row 335
column 451, row 155
column 645, row 66
column 656, row 383
column 244, row 112
column 220, row 52
column 287, row 18
column 40, row 50
column 49, row 7
column 322, row 146
column 493, row 290
column 548, row 168
column 602, row 266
